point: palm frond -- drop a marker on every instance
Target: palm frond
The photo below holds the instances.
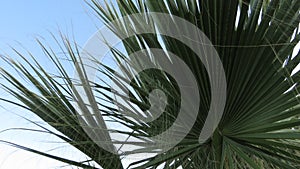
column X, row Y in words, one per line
column 254, row 39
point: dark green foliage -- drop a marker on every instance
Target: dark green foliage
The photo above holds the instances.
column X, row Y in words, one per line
column 259, row 128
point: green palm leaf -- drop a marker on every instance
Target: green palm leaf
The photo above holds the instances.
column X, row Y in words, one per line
column 255, row 40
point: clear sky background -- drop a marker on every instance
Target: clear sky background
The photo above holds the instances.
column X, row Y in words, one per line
column 21, row 21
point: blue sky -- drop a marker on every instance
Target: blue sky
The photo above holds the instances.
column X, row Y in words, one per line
column 22, row 22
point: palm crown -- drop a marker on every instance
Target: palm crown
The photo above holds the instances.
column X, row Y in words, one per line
column 254, row 40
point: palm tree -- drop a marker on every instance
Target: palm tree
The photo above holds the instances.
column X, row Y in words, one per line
column 254, row 39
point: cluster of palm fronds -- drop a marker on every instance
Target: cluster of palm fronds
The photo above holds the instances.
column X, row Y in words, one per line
column 255, row 40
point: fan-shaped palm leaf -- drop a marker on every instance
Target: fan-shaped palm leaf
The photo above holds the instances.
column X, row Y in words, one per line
column 255, row 40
